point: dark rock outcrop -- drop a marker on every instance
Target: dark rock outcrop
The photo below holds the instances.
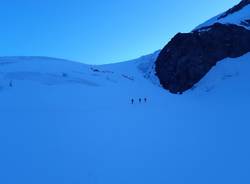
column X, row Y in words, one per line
column 246, row 23
column 188, row 57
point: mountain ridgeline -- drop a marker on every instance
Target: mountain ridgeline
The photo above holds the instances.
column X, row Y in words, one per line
column 188, row 57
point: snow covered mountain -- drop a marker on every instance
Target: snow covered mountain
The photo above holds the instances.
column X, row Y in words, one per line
column 66, row 122
column 238, row 15
column 188, row 57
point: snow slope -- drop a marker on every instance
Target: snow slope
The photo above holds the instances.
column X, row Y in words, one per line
column 239, row 18
column 70, row 123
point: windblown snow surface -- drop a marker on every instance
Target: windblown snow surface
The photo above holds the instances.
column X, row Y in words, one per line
column 69, row 123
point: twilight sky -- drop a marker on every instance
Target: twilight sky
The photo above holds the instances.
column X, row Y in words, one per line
column 98, row 31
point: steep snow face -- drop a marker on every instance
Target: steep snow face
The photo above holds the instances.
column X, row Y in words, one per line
column 241, row 17
column 65, row 122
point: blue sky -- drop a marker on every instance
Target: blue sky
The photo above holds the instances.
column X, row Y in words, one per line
column 98, row 31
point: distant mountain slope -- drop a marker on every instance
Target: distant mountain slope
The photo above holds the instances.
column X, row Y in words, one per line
column 53, row 72
column 238, row 15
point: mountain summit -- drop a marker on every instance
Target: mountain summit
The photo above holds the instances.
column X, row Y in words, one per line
column 238, row 15
column 235, row 9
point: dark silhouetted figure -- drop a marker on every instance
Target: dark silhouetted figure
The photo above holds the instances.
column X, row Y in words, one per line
column 10, row 84
column 132, row 101
column 145, row 100
column 139, row 100
column 64, row 74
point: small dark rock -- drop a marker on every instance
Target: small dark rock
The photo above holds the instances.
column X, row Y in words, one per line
column 95, row 70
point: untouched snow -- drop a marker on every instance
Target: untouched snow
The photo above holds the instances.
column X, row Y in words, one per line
column 65, row 122
column 237, row 18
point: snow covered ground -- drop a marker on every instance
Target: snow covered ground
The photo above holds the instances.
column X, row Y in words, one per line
column 70, row 123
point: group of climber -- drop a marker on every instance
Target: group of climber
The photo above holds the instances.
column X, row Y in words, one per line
column 140, row 100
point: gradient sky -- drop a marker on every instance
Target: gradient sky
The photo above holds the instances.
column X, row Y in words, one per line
column 98, row 31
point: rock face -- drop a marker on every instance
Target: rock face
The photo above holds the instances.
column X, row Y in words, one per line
column 188, row 57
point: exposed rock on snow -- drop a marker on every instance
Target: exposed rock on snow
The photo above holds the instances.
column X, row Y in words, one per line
column 188, row 57
column 238, row 15
column 236, row 8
